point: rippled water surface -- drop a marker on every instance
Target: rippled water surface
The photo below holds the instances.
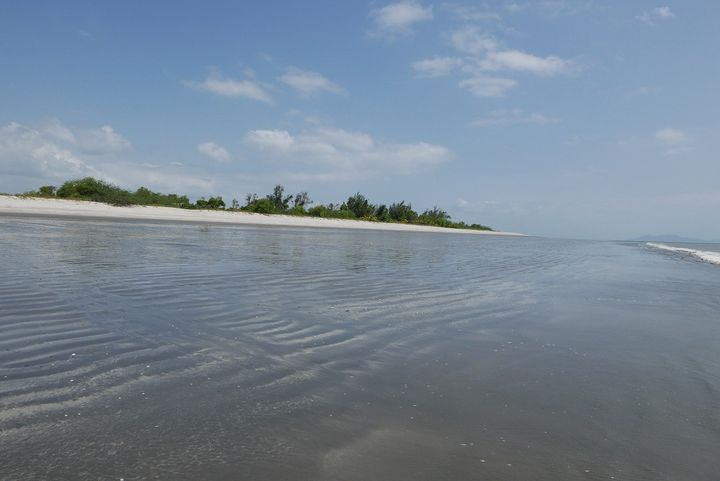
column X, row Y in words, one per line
column 133, row 351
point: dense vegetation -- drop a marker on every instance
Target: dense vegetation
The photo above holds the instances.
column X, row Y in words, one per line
column 356, row 206
column 101, row 191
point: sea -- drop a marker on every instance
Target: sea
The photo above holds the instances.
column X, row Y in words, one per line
column 139, row 351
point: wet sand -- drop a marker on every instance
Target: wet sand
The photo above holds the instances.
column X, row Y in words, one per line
column 134, row 351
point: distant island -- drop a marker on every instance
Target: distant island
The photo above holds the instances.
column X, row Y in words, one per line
column 356, row 207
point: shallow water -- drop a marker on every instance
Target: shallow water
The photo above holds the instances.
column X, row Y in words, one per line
column 135, row 351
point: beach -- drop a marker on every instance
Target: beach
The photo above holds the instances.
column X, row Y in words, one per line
column 16, row 205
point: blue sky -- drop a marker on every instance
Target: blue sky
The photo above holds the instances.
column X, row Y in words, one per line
column 554, row 117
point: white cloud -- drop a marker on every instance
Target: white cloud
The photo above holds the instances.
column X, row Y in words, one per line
column 343, row 139
column 100, row 141
column 476, row 205
column 53, row 152
column 644, row 90
column 488, row 86
column 498, row 118
column 672, row 137
column 56, row 129
column 471, row 40
column 436, row 66
column 484, row 54
column 166, row 178
column 308, row 83
column 657, row 13
column 675, row 141
column 345, row 155
column 467, row 13
column 663, row 12
column 26, row 151
column 214, row 151
column 398, row 18
column 270, row 139
column 97, row 141
column 227, row 87
column 525, row 62
column 553, row 8
column 517, row 7
column 408, row 158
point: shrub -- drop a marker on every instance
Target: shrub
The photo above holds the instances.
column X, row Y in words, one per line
column 320, row 211
column 436, row 217
column 343, row 214
column 297, row 210
column 94, row 190
column 329, row 213
column 478, row 227
column 260, row 206
column 145, row 196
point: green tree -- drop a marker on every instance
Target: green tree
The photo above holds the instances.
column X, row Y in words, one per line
column 279, row 199
column 402, row 212
column 183, row 201
column 359, row 206
column 302, row 199
column 47, row 190
column 381, row 213
column 215, row 203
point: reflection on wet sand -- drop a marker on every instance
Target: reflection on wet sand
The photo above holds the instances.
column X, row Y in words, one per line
column 173, row 352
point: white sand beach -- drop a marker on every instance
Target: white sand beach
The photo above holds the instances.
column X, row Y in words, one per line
column 14, row 205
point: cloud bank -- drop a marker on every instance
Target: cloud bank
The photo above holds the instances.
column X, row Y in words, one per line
column 53, row 152
column 339, row 154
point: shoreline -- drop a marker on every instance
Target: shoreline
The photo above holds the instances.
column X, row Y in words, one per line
column 80, row 209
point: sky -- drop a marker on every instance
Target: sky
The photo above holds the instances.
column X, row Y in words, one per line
column 565, row 118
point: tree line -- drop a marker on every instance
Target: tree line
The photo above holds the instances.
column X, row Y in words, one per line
column 357, row 206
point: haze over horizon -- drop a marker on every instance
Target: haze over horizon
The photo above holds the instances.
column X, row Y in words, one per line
column 563, row 118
